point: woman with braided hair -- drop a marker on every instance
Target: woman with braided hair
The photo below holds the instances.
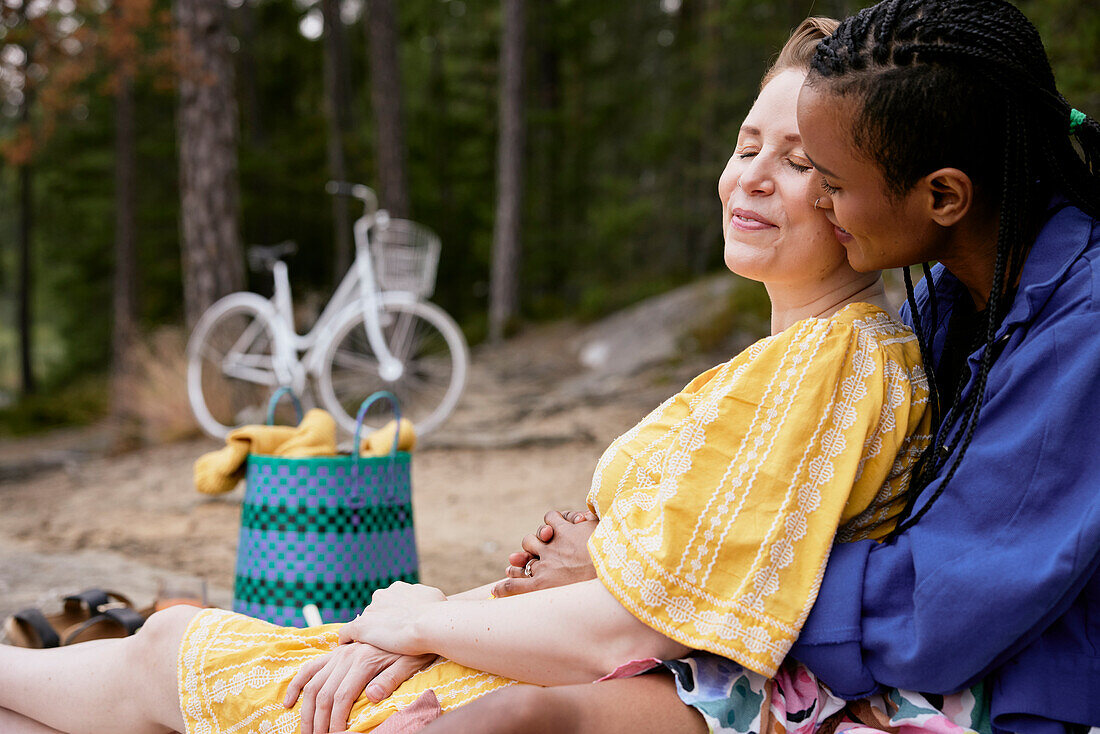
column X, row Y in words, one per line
column 940, row 136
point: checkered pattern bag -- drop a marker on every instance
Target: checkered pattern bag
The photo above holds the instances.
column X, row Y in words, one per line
column 325, row 531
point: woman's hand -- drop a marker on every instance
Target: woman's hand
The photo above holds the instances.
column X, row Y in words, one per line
column 555, row 555
column 389, row 621
column 330, row 685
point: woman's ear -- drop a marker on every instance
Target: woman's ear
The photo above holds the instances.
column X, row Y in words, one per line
column 950, row 195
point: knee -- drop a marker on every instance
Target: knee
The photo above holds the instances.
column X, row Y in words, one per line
column 161, row 633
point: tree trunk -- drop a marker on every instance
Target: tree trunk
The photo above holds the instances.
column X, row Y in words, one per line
column 28, row 384
column 504, row 282
column 124, row 332
column 337, row 115
column 385, row 95
column 213, row 265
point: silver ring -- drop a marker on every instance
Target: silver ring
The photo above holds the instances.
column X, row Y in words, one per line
column 816, row 202
column 527, row 568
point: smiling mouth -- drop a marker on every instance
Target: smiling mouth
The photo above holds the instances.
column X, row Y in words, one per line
column 843, row 235
column 749, row 221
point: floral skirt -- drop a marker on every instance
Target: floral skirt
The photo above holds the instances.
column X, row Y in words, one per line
column 234, row 672
column 734, row 700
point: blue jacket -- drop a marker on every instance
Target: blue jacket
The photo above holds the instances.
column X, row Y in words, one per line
column 1001, row 578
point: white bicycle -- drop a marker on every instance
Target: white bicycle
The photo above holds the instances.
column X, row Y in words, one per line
column 378, row 332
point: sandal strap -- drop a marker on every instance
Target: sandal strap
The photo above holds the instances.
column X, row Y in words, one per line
column 94, row 600
column 124, row 617
column 91, row 599
column 34, row 619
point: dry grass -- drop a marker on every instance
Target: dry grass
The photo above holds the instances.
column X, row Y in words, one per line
column 156, row 388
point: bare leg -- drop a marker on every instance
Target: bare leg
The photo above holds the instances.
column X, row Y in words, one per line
column 13, row 723
column 640, row 705
column 109, row 686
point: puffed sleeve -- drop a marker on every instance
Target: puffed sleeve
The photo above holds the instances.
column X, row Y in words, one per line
column 718, row 511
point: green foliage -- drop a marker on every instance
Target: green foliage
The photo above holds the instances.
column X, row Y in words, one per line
column 79, row 402
column 1071, row 33
column 632, row 109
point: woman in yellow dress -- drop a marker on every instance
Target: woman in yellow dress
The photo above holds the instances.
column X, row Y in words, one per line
column 716, row 511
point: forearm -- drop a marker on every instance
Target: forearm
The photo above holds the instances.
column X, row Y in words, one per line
column 479, row 593
column 569, row 634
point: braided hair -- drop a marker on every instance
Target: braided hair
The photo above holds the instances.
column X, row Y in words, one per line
column 965, row 84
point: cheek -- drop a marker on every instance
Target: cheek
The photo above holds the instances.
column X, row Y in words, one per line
column 816, row 229
column 727, row 181
column 800, row 212
column 846, row 215
column 863, row 215
column 803, row 194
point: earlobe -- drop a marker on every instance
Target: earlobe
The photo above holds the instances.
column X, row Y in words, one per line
column 951, row 196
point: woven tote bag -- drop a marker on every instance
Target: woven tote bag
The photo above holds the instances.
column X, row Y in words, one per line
column 326, row 531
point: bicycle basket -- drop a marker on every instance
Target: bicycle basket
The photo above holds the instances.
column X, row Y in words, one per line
column 405, row 257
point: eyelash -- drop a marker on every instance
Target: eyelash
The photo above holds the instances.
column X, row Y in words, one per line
column 792, row 164
column 829, row 188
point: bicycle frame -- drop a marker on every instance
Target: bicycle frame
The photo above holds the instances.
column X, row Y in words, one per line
column 358, row 291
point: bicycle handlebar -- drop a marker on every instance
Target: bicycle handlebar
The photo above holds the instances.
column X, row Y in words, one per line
column 358, row 191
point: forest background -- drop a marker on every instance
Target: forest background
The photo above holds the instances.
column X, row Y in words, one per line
column 580, row 139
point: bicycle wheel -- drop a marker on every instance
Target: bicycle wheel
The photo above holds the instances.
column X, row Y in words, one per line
column 431, row 349
column 231, row 364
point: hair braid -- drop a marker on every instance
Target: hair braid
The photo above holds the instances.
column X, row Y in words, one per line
column 926, row 457
column 933, row 383
column 930, row 75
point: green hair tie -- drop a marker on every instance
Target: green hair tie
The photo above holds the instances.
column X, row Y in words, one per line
column 1076, row 118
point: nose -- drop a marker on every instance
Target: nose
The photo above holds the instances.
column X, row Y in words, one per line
column 757, row 178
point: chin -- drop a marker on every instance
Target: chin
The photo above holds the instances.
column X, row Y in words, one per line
column 865, row 267
column 860, row 262
column 751, row 271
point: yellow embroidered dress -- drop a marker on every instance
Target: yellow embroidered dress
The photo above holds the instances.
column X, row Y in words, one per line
column 717, row 512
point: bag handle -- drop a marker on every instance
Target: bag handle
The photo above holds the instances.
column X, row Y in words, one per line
column 380, row 395
column 274, row 402
column 356, row 449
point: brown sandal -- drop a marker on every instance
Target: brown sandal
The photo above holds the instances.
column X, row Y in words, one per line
column 113, row 622
column 31, row 628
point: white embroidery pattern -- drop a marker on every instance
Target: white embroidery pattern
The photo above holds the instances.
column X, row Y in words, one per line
column 669, row 593
column 210, row 690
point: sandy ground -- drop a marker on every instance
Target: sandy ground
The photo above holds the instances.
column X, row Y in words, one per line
column 525, row 439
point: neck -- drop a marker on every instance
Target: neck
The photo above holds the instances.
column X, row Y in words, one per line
column 971, row 256
column 788, row 309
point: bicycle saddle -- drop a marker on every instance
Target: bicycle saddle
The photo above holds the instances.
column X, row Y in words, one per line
column 264, row 257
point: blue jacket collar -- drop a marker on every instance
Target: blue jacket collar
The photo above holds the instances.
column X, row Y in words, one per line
column 1062, row 239
column 1060, row 242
